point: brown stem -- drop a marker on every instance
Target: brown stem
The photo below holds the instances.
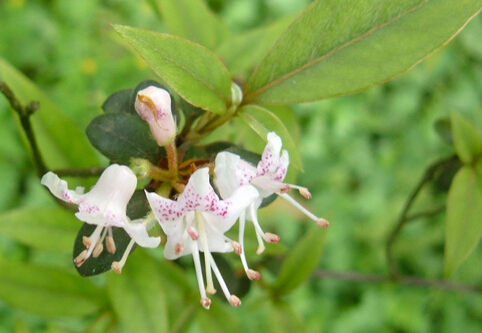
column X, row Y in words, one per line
column 404, row 217
column 24, row 113
column 405, row 280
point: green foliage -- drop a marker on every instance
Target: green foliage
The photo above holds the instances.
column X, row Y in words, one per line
column 301, row 262
column 193, row 20
column 42, row 228
column 48, row 291
column 464, row 209
column 467, row 140
column 340, row 47
column 62, row 142
column 263, row 121
column 138, row 296
column 194, row 72
column 361, row 154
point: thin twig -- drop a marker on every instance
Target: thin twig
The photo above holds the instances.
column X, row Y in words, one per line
column 24, row 113
column 404, row 217
column 405, row 280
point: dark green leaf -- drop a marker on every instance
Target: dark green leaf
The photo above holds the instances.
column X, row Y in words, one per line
column 301, row 262
column 60, row 140
column 138, row 296
column 103, row 263
column 192, row 19
column 263, row 121
column 121, row 136
column 48, row 291
column 467, row 139
column 190, row 69
column 340, row 47
column 42, row 228
column 137, row 208
column 464, row 210
column 119, row 101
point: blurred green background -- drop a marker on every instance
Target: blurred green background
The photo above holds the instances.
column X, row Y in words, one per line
column 362, row 155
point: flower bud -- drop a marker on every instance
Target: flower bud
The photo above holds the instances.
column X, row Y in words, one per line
column 153, row 104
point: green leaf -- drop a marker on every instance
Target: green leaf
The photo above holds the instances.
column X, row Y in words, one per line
column 464, row 210
column 119, row 101
column 263, row 121
column 190, row 69
column 61, row 142
column 137, row 208
column 285, row 319
column 193, row 20
column 241, row 53
column 121, row 136
column 48, row 291
column 218, row 319
column 138, row 296
column 301, row 262
column 43, row 228
column 466, row 137
column 340, row 47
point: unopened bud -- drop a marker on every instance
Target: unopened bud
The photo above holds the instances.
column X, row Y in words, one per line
column 153, row 104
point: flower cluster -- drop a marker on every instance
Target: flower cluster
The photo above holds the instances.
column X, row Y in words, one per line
column 195, row 220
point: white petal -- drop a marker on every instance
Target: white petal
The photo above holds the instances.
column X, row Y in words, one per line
column 59, row 188
column 139, row 234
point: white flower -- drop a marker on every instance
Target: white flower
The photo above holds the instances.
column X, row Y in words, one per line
column 105, row 206
column 153, row 104
column 232, row 172
column 197, row 222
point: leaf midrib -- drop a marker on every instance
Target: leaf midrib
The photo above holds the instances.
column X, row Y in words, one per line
column 284, row 77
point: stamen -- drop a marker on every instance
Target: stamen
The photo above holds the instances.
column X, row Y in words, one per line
column 178, row 248
column 117, row 265
column 109, row 242
column 284, row 188
column 234, row 300
column 92, row 240
column 97, row 250
column 271, row 238
column 302, row 209
column 303, row 191
column 79, row 260
column 205, row 301
column 193, row 233
column 207, row 255
column 259, row 231
column 323, row 223
column 238, row 249
column 253, row 275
